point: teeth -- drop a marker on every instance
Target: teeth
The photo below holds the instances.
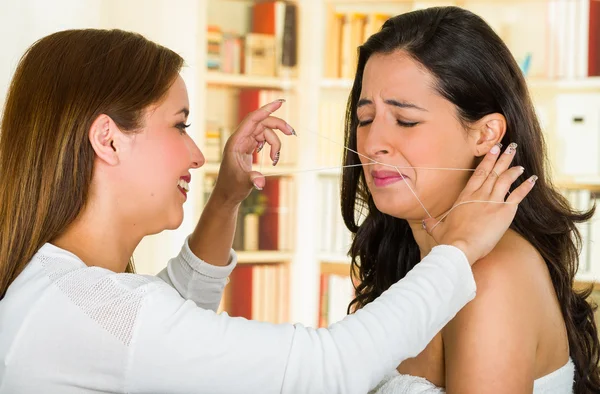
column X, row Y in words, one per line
column 184, row 185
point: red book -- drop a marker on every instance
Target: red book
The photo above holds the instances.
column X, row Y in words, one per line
column 268, row 237
column 249, row 100
column 240, row 292
column 594, row 40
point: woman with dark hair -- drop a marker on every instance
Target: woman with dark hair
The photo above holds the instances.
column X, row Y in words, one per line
column 437, row 88
column 94, row 156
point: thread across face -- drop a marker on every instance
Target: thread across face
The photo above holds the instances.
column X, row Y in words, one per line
column 414, row 133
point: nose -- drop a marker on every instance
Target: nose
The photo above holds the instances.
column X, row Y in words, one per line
column 375, row 141
column 196, row 155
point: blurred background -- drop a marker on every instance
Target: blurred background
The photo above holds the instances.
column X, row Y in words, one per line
column 241, row 54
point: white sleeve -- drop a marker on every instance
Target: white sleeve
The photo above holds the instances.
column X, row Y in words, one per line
column 196, row 280
column 180, row 348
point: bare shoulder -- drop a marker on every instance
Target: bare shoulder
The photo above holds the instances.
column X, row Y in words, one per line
column 514, row 265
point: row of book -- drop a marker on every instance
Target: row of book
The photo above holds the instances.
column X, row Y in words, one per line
column 334, row 237
column 562, row 42
column 266, row 218
column 336, row 292
column 226, row 108
column 589, row 259
column 259, row 292
column 268, row 49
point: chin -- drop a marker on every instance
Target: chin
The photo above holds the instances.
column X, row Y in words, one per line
column 399, row 208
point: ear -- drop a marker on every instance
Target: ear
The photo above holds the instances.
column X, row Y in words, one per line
column 103, row 135
column 487, row 132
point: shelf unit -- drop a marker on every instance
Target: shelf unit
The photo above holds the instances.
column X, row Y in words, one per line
column 311, row 88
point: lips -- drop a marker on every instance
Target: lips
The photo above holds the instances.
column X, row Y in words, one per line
column 384, row 178
column 183, row 184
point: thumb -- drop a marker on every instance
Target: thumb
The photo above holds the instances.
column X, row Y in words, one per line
column 257, row 179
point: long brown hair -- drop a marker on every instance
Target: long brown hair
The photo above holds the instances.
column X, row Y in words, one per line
column 62, row 84
column 476, row 72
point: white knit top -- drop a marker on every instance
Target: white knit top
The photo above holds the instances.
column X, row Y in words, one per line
column 557, row 382
column 68, row 328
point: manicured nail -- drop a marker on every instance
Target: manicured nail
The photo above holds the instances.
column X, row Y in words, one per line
column 499, row 145
column 256, row 186
column 260, row 146
column 495, row 150
column 276, row 158
column 511, row 148
column 291, row 129
column 522, row 169
column 280, row 100
column 533, row 179
column 423, row 224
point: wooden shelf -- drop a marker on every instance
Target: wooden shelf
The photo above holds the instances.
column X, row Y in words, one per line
column 579, row 85
column 584, row 285
column 582, row 183
column 341, row 269
column 264, row 256
column 339, row 83
column 214, row 78
column 335, row 258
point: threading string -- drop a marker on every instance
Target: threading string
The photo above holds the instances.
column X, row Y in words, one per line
column 397, row 168
column 462, row 203
column 413, row 192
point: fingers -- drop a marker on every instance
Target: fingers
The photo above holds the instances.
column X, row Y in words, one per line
column 501, row 165
column 263, row 112
column 273, row 122
column 483, row 170
column 257, row 179
column 502, row 185
column 272, row 139
column 520, row 192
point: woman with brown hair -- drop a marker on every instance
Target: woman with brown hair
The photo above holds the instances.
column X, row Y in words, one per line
column 94, row 156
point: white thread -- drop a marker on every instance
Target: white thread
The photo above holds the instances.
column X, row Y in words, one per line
column 373, row 162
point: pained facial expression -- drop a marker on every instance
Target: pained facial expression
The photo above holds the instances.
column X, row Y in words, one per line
column 404, row 122
column 155, row 164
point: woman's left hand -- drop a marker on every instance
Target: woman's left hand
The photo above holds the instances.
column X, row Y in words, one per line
column 236, row 178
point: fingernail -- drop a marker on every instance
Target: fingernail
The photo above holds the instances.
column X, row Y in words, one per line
column 291, row 129
column 276, row 158
column 511, row 148
column 522, row 169
column 423, row 224
column 499, row 145
column 279, row 100
column 495, row 150
column 260, row 146
column 256, row 186
column 533, row 179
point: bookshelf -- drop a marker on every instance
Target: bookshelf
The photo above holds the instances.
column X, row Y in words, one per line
column 315, row 107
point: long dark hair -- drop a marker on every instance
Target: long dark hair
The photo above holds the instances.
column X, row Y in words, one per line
column 62, row 83
column 475, row 71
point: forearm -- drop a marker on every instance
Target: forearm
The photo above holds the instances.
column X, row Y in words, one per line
column 212, row 239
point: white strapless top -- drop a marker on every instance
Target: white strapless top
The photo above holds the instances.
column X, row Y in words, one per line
column 557, row 382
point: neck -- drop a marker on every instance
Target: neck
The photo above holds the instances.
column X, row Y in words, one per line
column 423, row 239
column 101, row 240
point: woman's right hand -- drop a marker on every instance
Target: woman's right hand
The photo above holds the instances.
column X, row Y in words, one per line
column 476, row 228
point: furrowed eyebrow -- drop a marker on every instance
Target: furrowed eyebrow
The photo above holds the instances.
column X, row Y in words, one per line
column 395, row 103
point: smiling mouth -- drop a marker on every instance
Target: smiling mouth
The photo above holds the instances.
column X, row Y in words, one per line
column 183, row 186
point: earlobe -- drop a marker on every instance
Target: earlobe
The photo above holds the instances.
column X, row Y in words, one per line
column 491, row 130
column 102, row 135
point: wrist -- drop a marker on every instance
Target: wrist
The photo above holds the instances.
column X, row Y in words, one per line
column 464, row 247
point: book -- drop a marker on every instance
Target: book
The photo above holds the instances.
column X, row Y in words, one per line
column 279, row 19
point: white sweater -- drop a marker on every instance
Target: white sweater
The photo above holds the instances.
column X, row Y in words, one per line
column 68, row 328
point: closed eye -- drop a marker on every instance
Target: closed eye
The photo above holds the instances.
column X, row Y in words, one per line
column 362, row 123
column 182, row 126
